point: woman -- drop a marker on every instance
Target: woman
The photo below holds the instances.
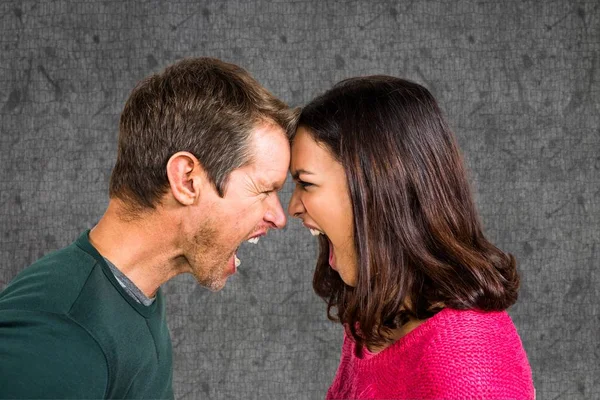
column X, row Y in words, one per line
column 403, row 262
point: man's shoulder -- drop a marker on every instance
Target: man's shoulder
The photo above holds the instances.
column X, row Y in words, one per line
column 47, row 355
column 51, row 283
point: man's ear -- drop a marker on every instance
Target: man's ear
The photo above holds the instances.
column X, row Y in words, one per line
column 186, row 177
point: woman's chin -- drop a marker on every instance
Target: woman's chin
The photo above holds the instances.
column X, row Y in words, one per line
column 348, row 280
column 347, row 275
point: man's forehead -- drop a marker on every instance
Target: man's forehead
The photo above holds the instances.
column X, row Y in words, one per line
column 267, row 128
column 270, row 154
column 271, row 178
column 269, row 169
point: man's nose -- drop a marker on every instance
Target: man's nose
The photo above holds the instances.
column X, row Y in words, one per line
column 275, row 214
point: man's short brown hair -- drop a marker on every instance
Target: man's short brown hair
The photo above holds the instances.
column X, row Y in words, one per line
column 201, row 105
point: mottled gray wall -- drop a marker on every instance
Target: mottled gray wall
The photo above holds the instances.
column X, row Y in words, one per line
column 518, row 80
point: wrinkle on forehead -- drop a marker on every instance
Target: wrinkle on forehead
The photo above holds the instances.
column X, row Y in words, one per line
column 271, row 162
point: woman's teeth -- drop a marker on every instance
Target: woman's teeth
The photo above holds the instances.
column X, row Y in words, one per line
column 254, row 240
column 237, row 261
column 315, row 232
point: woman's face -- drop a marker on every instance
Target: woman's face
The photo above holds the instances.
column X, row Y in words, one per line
column 322, row 201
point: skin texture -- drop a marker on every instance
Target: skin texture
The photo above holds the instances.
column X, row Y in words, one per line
column 249, row 208
column 322, row 202
column 193, row 230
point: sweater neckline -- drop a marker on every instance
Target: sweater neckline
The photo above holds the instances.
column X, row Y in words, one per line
column 399, row 345
column 83, row 242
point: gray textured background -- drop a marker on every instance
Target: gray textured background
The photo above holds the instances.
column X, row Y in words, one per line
column 518, row 81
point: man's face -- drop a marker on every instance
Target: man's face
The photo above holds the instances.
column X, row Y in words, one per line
column 249, row 208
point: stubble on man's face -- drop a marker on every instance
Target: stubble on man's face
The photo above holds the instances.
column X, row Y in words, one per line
column 208, row 258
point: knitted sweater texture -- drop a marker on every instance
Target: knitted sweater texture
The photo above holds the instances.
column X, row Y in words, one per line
column 453, row 355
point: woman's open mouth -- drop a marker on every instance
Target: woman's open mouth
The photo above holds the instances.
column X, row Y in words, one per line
column 332, row 260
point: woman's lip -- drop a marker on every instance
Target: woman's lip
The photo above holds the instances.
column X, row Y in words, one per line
column 331, row 256
column 309, row 226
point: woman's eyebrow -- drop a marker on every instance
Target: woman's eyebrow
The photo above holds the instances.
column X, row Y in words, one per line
column 296, row 174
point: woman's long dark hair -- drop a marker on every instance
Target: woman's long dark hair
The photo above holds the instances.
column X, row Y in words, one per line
column 419, row 242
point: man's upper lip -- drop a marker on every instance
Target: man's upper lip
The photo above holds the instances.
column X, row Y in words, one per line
column 261, row 233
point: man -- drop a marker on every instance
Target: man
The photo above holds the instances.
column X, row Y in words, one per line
column 202, row 152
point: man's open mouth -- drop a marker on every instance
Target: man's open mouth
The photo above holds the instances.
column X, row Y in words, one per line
column 252, row 239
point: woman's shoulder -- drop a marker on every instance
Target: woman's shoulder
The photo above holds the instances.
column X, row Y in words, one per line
column 473, row 330
column 473, row 320
column 449, row 328
column 480, row 352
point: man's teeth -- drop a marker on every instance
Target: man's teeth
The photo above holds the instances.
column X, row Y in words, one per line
column 315, row 232
column 254, row 240
column 237, row 261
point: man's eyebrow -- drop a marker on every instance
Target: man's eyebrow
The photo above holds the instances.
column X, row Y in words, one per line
column 296, row 174
column 270, row 187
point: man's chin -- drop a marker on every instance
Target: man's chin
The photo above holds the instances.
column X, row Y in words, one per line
column 211, row 283
column 216, row 286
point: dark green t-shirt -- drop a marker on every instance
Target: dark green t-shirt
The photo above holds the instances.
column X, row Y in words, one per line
column 69, row 330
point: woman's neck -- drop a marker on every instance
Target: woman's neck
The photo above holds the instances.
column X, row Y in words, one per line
column 397, row 334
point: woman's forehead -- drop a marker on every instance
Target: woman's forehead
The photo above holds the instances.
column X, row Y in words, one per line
column 305, row 150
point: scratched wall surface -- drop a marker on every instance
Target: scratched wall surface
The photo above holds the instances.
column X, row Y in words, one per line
column 518, row 80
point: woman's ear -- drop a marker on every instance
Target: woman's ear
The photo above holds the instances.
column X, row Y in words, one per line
column 186, row 177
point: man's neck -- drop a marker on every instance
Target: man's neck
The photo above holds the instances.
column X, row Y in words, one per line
column 140, row 248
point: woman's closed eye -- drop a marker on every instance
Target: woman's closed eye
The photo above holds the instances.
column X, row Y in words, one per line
column 303, row 184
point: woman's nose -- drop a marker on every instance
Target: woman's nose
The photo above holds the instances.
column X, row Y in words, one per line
column 295, row 208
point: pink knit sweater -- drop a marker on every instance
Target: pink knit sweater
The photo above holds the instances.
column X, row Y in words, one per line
column 453, row 355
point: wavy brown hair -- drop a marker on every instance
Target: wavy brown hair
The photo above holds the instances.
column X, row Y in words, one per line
column 419, row 242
